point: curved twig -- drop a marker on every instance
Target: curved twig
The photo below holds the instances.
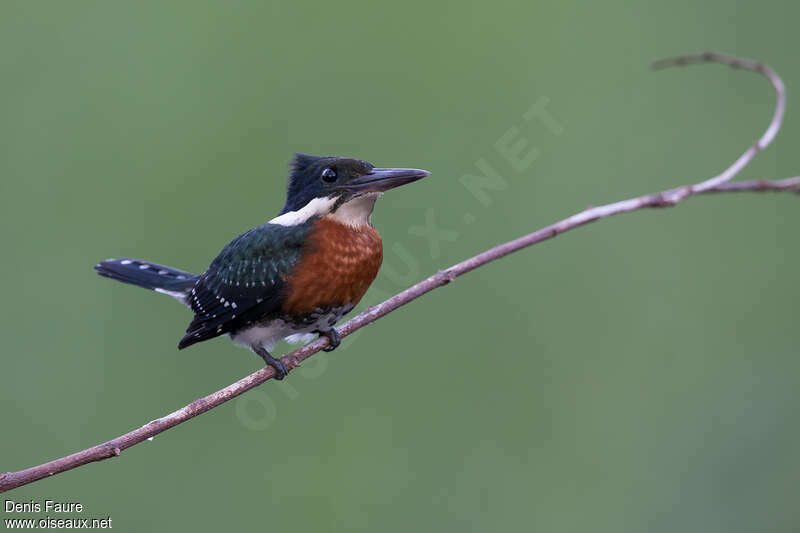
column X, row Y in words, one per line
column 716, row 184
column 676, row 195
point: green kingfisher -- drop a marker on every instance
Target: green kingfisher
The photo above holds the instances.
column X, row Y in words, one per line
column 292, row 277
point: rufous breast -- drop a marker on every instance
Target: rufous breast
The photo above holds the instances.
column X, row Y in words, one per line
column 338, row 266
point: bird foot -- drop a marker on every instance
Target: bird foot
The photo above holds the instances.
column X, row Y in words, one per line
column 334, row 339
column 280, row 369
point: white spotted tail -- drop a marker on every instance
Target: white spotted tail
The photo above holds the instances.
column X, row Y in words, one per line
column 160, row 278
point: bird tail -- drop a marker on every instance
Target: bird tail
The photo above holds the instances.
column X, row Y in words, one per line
column 159, row 278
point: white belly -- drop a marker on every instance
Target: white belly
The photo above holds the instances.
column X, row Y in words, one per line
column 265, row 335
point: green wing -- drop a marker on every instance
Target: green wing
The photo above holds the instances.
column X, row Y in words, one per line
column 245, row 282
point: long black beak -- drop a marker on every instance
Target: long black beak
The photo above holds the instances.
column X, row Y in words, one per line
column 383, row 179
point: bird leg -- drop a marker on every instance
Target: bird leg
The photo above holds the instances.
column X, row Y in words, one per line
column 334, row 339
column 280, row 369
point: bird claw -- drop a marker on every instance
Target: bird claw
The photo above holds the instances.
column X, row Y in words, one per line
column 280, row 369
column 334, row 339
column 277, row 365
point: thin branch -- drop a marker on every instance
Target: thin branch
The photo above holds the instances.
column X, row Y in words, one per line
column 762, row 142
column 789, row 184
column 716, row 184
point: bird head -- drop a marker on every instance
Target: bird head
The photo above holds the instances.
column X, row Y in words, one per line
column 336, row 181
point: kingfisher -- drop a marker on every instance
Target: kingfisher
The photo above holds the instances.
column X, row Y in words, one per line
column 292, row 277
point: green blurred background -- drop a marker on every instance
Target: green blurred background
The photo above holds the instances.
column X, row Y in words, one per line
column 640, row 374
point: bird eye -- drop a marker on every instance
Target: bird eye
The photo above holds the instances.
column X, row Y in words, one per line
column 328, row 175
